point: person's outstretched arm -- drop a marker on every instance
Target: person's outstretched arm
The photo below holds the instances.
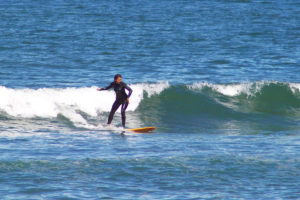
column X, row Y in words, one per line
column 106, row 88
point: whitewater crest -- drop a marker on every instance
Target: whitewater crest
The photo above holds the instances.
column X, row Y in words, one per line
column 51, row 102
column 235, row 89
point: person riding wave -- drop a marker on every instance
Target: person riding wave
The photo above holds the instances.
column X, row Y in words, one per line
column 121, row 97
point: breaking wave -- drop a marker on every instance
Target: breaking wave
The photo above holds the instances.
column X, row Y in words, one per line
column 158, row 103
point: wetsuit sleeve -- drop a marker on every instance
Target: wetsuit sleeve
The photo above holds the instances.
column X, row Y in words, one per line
column 129, row 90
column 107, row 87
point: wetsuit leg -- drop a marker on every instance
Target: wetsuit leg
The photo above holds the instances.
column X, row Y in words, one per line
column 114, row 108
column 123, row 109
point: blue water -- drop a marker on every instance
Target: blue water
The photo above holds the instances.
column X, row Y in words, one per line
column 219, row 79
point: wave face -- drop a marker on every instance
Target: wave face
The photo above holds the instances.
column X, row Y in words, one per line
column 185, row 107
column 242, row 106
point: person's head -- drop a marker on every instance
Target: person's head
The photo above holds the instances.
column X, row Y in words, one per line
column 118, row 78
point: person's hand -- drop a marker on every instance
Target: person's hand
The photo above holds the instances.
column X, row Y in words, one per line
column 127, row 100
column 98, row 89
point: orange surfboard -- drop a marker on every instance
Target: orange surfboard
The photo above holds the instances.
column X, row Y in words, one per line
column 142, row 130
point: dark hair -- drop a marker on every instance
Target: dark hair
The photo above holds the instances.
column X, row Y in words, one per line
column 117, row 76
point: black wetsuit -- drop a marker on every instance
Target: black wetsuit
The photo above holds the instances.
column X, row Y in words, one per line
column 121, row 99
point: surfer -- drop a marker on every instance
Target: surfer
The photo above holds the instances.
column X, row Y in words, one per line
column 121, row 97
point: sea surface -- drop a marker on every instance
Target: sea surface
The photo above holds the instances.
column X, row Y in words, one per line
column 220, row 79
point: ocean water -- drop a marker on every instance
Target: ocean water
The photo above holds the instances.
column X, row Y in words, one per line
column 219, row 79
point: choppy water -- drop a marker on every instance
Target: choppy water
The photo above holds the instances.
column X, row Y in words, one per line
column 219, row 80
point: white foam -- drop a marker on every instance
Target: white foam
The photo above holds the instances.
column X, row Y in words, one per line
column 248, row 88
column 295, row 87
column 49, row 102
column 226, row 89
column 152, row 88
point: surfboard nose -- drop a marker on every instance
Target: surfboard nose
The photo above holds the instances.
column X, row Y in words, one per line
column 142, row 130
